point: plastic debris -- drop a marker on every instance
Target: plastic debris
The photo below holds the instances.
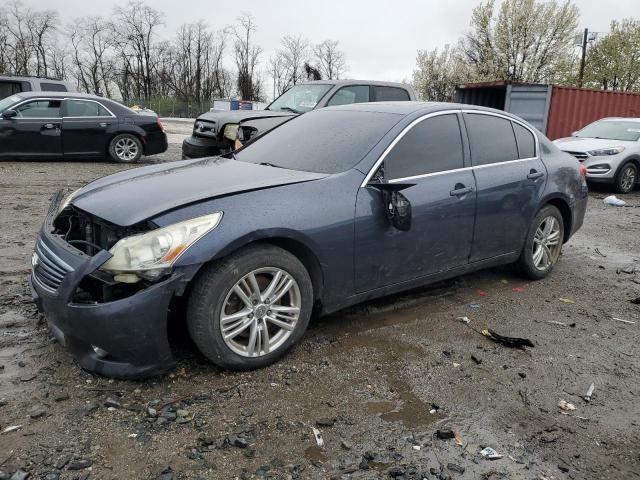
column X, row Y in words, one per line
column 624, row 321
column 464, row 319
column 482, row 293
column 567, row 300
column 416, row 447
column 445, row 434
column 614, row 201
column 504, row 281
column 564, row 405
column 318, row 436
column 474, row 305
column 458, row 438
column 597, row 250
column 12, row 428
column 133, row 435
column 517, row 289
column 589, row 394
column 455, row 365
column 511, row 342
column 555, row 322
column 490, row 454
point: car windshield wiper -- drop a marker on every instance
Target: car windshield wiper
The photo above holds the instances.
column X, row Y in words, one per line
column 270, row 165
column 289, row 109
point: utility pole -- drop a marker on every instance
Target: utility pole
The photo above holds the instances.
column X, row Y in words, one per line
column 584, row 56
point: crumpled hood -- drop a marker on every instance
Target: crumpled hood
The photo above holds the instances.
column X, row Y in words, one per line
column 576, row 144
column 132, row 196
column 221, row 118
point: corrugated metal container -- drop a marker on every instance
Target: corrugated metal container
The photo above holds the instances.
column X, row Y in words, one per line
column 573, row 108
column 556, row 111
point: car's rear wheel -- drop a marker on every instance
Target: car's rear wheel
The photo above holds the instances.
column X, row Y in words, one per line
column 543, row 244
column 249, row 309
column 626, row 178
column 125, row 148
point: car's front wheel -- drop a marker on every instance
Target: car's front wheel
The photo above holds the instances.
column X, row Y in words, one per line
column 248, row 310
column 543, row 244
column 626, row 178
column 125, row 148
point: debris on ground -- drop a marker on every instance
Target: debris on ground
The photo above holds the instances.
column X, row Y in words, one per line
column 452, row 467
column 566, row 406
column 567, row 300
column 555, row 322
column 475, row 359
column 635, row 301
column 318, row 436
column 445, row 434
column 614, row 201
column 511, row 342
column 474, row 305
column 517, row 289
column 464, row 319
column 458, row 438
column 597, row 250
column 624, row 321
column 589, row 394
column 12, row 428
column 490, row 454
column 482, row 293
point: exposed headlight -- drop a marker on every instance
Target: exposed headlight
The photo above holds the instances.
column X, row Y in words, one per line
column 159, row 249
column 231, row 131
column 606, row 151
column 65, row 203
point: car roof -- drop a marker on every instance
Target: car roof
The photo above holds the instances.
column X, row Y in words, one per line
column 59, row 95
column 355, row 82
column 409, row 107
column 21, row 78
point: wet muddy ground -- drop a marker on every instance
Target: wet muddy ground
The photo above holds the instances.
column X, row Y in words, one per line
column 377, row 381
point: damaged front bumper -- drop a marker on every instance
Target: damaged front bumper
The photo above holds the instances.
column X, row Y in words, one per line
column 125, row 337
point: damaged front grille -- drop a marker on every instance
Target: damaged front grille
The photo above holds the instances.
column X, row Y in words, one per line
column 204, row 128
column 49, row 270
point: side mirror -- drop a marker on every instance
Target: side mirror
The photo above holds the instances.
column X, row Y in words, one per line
column 7, row 114
column 397, row 206
column 573, row 134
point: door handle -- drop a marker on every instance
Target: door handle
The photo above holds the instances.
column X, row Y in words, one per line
column 534, row 175
column 104, row 124
column 460, row 191
column 50, row 126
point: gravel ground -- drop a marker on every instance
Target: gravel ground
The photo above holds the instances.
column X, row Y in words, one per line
column 378, row 380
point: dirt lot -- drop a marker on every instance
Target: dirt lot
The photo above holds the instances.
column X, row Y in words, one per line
column 377, row 381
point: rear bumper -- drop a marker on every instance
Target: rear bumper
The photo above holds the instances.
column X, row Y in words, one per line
column 156, row 143
column 578, row 211
column 132, row 331
column 198, row 147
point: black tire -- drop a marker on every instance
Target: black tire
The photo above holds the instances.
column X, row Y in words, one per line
column 209, row 292
column 131, row 154
column 622, row 183
column 525, row 264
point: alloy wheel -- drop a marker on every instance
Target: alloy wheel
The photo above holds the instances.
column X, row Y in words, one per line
column 126, row 149
column 628, row 178
column 547, row 243
column 260, row 312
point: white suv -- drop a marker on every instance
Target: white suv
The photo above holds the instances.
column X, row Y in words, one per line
column 610, row 149
column 12, row 84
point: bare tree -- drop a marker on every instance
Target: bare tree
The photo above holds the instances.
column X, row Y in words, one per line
column 294, row 53
column 93, row 44
column 278, row 74
column 246, row 57
column 329, row 60
column 135, row 26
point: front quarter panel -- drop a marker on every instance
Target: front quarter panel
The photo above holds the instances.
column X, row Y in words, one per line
column 318, row 214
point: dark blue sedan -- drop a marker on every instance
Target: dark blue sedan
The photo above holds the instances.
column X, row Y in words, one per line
column 333, row 208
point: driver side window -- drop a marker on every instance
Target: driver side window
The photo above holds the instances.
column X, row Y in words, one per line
column 351, row 94
column 39, row 109
column 434, row 145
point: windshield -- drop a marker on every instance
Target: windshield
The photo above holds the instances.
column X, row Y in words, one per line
column 323, row 141
column 7, row 102
column 300, row 98
column 612, row 130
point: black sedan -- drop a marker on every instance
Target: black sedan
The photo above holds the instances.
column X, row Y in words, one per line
column 375, row 199
column 50, row 125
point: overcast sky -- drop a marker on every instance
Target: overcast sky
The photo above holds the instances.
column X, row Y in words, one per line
column 379, row 37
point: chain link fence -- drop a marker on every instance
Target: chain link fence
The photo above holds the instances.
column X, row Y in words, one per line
column 172, row 106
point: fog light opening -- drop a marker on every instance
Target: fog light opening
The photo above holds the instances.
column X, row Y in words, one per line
column 100, row 352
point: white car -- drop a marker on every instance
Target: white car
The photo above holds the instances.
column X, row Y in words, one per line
column 610, row 149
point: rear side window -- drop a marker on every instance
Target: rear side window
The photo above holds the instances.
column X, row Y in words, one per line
column 390, row 94
column 433, row 145
column 82, row 108
column 40, row 109
column 351, row 94
column 9, row 88
column 526, row 141
column 492, row 139
column 52, row 87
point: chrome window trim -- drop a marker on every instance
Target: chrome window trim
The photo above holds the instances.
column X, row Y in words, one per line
column 112, row 115
column 378, row 162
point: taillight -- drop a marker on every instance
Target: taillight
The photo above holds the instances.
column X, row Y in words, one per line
column 160, row 123
column 583, row 170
